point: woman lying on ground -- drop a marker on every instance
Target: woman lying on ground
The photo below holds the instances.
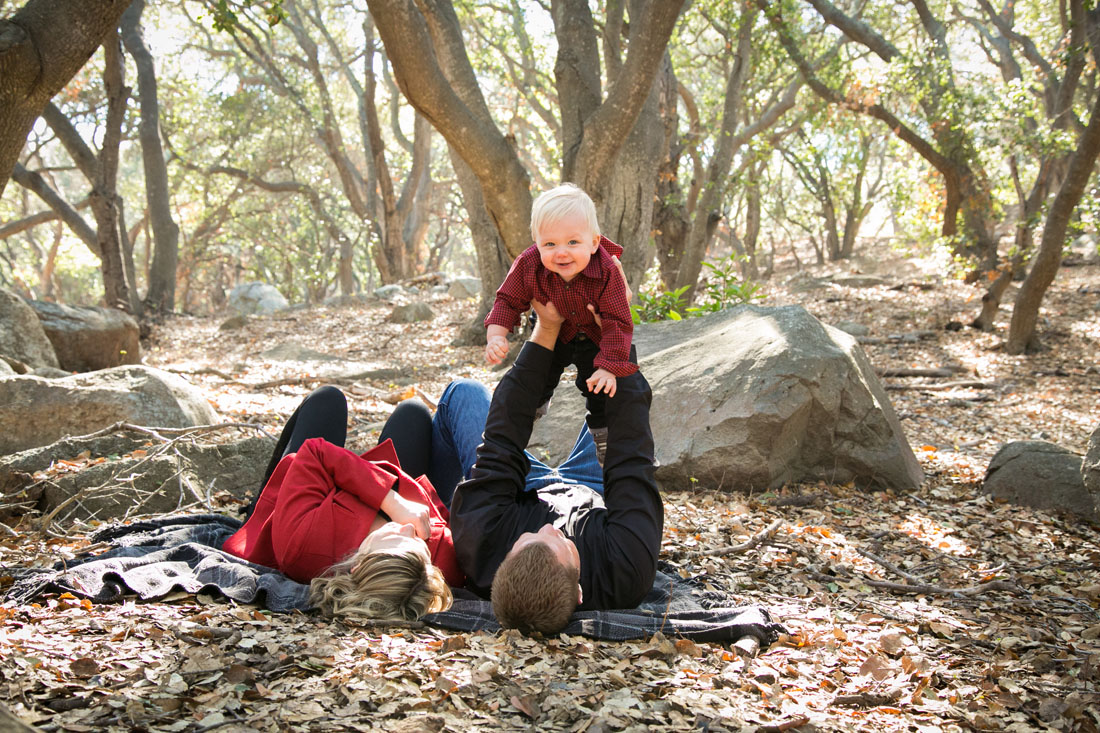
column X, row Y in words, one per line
column 336, row 505
column 369, row 538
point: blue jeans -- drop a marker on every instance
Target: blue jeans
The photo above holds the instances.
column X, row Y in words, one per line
column 457, row 430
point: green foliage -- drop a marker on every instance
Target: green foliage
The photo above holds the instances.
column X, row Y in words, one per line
column 723, row 288
column 224, row 13
column 659, row 306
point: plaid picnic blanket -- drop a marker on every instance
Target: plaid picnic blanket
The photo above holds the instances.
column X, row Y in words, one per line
column 183, row 553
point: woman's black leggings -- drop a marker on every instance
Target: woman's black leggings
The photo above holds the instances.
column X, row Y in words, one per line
column 324, row 414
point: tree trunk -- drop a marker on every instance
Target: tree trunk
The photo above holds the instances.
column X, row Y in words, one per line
column 161, row 292
column 429, row 60
column 42, row 47
column 106, row 202
column 753, row 219
column 1023, row 242
column 493, row 258
column 626, row 211
column 1025, row 313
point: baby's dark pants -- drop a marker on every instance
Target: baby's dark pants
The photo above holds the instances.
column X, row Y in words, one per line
column 581, row 351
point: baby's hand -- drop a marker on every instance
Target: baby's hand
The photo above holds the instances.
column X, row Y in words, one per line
column 496, row 349
column 602, row 380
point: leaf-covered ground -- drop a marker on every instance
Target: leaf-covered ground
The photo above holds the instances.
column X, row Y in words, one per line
column 933, row 610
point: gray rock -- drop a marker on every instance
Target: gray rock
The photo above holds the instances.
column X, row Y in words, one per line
column 389, row 293
column 234, row 322
column 290, row 351
column 753, row 397
column 411, row 313
column 340, row 301
column 858, row 281
column 1090, row 467
column 1042, row 475
column 1085, row 248
column 854, row 329
column 36, row 411
column 86, row 338
column 255, row 298
column 21, row 334
column 464, row 288
column 161, row 481
column 5, row 368
column 50, row 373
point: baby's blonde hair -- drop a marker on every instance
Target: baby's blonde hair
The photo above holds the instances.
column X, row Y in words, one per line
column 559, row 202
column 381, row 585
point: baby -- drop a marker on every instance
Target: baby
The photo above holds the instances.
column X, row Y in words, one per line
column 576, row 269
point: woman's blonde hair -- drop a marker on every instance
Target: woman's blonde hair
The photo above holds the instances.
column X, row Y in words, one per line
column 381, row 585
column 558, row 203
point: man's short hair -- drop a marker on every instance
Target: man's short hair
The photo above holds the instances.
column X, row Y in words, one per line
column 559, row 202
column 534, row 591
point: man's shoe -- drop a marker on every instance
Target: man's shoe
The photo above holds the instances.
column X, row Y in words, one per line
column 599, row 436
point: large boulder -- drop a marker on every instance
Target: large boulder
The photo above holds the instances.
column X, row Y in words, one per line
column 21, row 335
column 1090, row 467
column 139, row 476
column 1041, row 475
column 753, row 398
column 86, row 338
column 36, row 411
column 256, row 298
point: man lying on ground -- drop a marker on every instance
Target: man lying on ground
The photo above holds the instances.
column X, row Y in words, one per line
column 542, row 551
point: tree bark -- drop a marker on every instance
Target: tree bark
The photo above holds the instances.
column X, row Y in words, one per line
column 106, row 203
column 36, row 183
column 424, row 44
column 161, row 292
column 42, row 46
column 493, row 258
column 1025, row 313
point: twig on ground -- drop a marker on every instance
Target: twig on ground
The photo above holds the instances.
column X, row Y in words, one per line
column 970, row 383
column 903, row 372
column 204, row 370
column 180, row 432
column 866, row 700
column 892, row 568
column 937, row 590
column 916, row 585
column 752, row 542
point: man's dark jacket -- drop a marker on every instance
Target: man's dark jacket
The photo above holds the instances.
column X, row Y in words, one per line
column 617, row 536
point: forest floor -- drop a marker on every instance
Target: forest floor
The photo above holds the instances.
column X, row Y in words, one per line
column 924, row 611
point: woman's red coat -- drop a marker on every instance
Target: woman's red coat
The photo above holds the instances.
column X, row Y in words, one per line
column 319, row 504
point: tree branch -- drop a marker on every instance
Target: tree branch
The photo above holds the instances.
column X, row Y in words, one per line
column 37, row 184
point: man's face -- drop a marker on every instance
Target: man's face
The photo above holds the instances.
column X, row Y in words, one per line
column 566, row 245
column 563, row 548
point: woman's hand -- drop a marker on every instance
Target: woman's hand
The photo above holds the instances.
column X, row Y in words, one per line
column 405, row 511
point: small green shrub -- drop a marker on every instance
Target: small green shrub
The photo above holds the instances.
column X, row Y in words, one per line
column 723, row 288
column 659, row 306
